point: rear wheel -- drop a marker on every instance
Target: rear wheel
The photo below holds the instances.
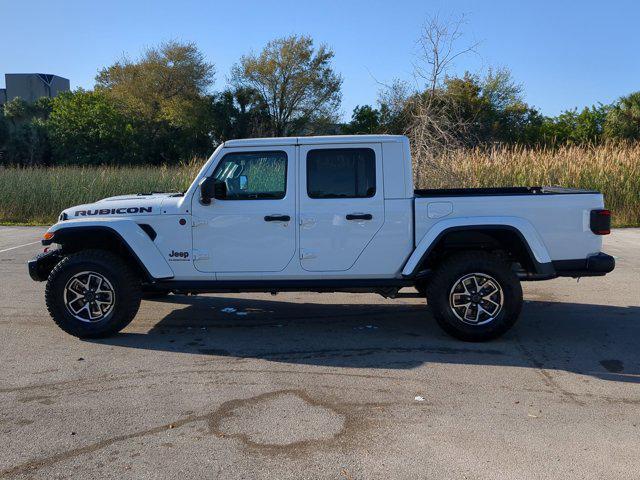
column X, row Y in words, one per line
column 475, row 296
column 92, row 294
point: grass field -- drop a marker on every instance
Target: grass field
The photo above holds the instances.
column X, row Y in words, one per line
column 37, row 195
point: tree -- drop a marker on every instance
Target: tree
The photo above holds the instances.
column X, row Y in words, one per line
column 28, row 144
column 500, row 90
column 365, row 119
column 623, row 120
column 395, row 105
column 505, row 113
column 86, row 127
column 392, row 115
column 166, row 92
column 16, row 110
column 25, row 132
column 4, row 130
column 238, row 113
column 586, row 126
column 439, row 48
column 295, row 82
column 434, row 121
column 491, row 107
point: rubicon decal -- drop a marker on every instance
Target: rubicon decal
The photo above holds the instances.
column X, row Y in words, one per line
column 113, row 211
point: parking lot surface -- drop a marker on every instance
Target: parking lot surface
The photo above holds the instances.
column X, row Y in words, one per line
column 336, row 386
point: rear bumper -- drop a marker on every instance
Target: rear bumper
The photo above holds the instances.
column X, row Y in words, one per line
column 41, row 265
column 592, row 266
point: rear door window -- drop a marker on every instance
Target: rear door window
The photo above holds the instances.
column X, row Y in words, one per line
column 341, row 173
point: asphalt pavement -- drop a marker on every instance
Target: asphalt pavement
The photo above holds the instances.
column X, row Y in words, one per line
column 315, row 386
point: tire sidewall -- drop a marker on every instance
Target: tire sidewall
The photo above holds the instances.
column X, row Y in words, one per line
column 123, row 293
column 454, row 271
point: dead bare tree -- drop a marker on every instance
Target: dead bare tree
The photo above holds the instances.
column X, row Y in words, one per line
column 435, row 124
column 438, row 49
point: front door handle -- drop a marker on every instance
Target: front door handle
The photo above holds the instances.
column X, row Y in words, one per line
column 277, row 218
column 359, row 216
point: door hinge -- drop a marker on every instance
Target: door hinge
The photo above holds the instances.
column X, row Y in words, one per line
column 200, row 255
column 306, row 255
column 196, row 222
column 306, row 221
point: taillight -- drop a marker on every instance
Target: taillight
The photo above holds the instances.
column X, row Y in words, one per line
column 601, row 222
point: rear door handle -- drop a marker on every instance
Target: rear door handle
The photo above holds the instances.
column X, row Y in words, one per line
column 359, row 216
column 277, row 218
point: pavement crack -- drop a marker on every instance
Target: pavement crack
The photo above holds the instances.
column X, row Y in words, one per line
column 546, row 376
column 37, row 464
column 355, row 352
column 104, row 379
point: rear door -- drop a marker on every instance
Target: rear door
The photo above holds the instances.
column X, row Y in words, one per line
column 341, row 203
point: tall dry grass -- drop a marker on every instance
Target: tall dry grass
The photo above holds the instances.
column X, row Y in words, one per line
column 37, row 195
column 612, row 169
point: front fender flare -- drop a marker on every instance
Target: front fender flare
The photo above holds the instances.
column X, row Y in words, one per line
column 132, row 236
column 522, row 227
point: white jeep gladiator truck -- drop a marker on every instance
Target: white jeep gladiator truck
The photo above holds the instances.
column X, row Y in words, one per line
column 319, row 214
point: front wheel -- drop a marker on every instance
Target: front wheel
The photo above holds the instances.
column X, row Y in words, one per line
column 475, row 296
column 92, row 294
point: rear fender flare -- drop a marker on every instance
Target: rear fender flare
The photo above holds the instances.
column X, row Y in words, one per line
column 526, row 231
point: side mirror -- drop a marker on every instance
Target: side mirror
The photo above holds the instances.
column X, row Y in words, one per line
column 220, row 190
column 207, row 190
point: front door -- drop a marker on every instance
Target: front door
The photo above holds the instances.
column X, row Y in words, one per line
column 341, row 204
column 251, row 226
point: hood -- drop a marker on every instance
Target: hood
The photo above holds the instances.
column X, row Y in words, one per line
column 121, row 205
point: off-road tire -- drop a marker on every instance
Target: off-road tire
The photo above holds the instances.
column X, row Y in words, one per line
column 447, row 276
column 126, row 289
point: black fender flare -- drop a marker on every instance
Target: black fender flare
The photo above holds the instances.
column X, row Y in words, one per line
column 103, row 237
column 541, row 270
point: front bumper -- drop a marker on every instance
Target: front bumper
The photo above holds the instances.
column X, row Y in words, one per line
column 592, row 266
column 41, row 265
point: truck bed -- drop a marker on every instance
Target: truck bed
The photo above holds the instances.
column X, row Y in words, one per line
column 499, row 191
column 559, row 216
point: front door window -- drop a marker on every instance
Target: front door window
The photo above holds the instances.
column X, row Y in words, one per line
column 253, row 175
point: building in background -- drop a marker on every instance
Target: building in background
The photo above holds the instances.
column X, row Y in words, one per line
column 32, row 86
